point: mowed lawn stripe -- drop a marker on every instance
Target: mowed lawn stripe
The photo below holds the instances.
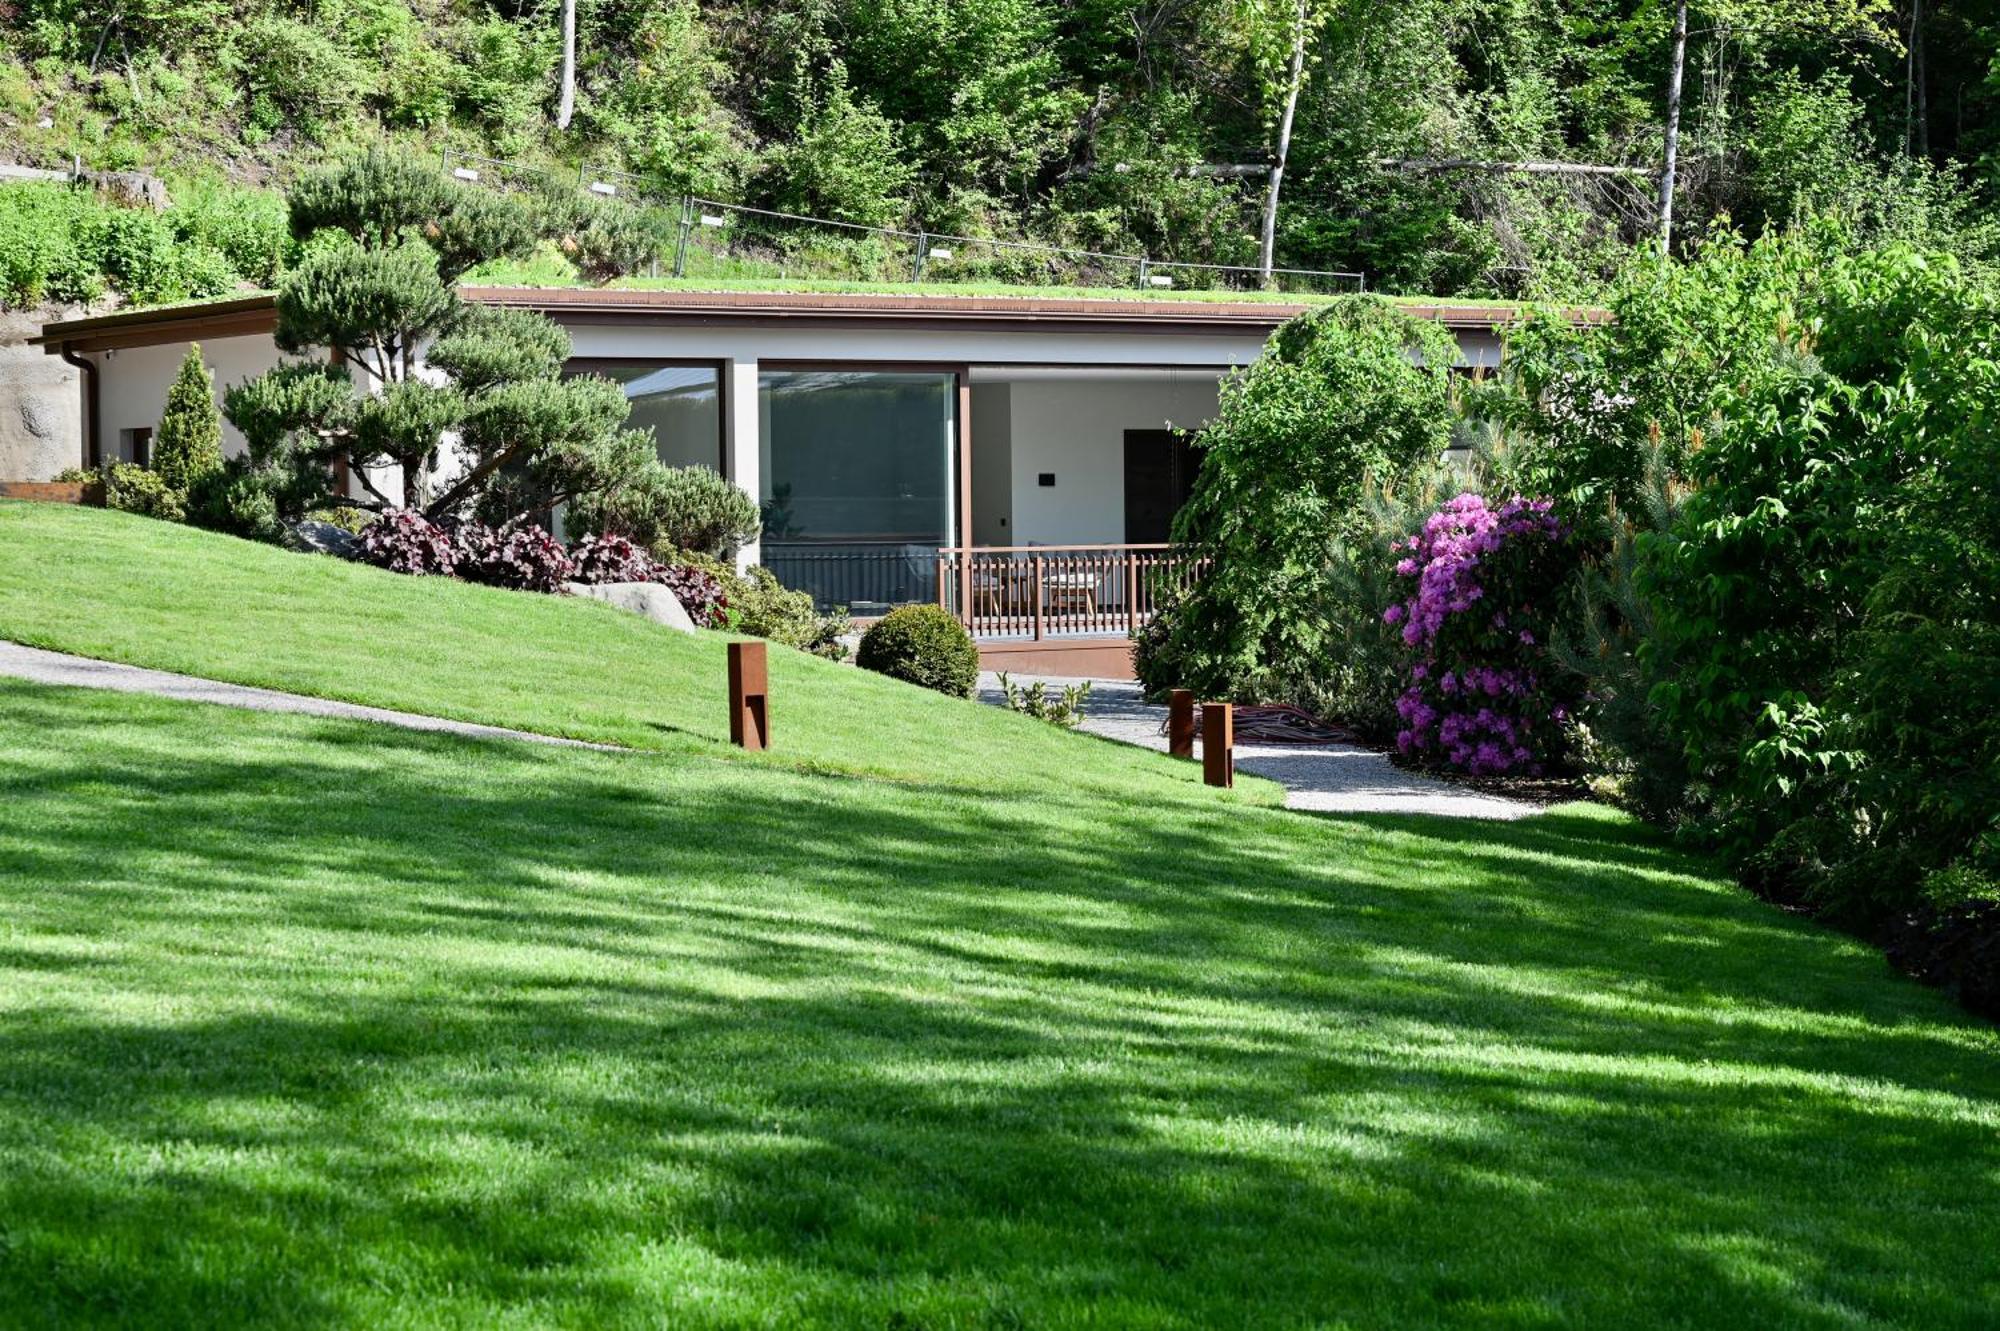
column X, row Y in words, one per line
column 317, row 1023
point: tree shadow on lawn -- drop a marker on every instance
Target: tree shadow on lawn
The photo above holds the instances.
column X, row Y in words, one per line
column 415, row 1022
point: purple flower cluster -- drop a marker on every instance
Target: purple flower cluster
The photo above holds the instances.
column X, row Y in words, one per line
column 1479, row 698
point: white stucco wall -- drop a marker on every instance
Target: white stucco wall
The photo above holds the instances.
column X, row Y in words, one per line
column 133, row 382
column 1075, row 429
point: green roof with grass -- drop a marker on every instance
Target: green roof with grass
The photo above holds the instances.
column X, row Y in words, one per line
column 935, row 1016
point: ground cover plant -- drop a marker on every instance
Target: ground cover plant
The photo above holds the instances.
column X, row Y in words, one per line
column 320, row 1023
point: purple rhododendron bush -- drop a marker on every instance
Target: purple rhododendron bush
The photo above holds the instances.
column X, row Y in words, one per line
column 1483, row 697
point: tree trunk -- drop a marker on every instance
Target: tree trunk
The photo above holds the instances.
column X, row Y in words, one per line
column 567, row 108
column 1680, row 47
column 1920, row 118
column 1268, row 242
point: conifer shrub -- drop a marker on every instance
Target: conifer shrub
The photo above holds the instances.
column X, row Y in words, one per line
column 669, row 509
column 187, row 446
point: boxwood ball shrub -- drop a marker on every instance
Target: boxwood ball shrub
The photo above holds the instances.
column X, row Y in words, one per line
column 925, row 645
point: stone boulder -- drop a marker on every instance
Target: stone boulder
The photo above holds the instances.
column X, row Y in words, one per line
column 323, row 538
column 649, row 599
column 130, row 189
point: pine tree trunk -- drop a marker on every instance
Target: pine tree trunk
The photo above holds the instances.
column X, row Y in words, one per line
column 1680, row 46
column 1268, row 242
column 568, row 105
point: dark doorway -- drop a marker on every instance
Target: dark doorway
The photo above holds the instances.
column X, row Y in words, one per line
column 1159, row 477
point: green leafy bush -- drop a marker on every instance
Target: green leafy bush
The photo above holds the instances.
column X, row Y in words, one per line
column 45, row 249
column 844, row 162
column 923, row 645
column 295, row 75
column 1800, row 655
column 246, row 227
column 138, row 253
column 766, row 608
column 501, row 73
column 1349, row 396
column 131, row 488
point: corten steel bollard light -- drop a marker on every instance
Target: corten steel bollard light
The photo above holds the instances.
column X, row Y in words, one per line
column 1180, row 723
column 1218, row 744
column 749, row 696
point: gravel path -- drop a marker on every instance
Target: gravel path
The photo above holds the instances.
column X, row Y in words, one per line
column 32, row 663
column 1323, row 778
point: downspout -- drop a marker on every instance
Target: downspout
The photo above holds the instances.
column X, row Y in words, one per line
column 92, row 450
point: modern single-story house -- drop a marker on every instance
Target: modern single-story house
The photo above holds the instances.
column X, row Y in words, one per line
column 1014, row 458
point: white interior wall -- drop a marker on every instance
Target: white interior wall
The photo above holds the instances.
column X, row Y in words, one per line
column 1075, row 430
column 132, row 384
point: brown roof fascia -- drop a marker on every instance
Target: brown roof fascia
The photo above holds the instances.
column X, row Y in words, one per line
column 251, row 315
column 243, row 316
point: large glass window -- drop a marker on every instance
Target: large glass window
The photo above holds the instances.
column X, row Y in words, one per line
column 682, row 404
column 857, row 472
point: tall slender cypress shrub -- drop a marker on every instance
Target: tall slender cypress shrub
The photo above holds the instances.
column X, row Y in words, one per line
column 188, row 443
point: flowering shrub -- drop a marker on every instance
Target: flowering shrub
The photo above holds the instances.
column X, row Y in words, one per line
column 524, row 557
column 405, row 541
column 700, row 593
column 611, row 559
column 1483, row 697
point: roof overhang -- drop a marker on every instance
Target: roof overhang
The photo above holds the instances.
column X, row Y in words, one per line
column 251, row 315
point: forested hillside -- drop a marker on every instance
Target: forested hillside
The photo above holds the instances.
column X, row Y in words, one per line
column 1136, row 126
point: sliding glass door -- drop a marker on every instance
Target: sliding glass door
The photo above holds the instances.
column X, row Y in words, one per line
column 859, row 473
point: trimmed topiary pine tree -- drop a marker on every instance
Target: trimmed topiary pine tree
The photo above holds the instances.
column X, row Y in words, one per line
column 187, row 447
column 389, row 238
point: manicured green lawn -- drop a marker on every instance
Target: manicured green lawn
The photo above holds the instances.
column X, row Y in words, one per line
column 315, row 1023
column 149, row 593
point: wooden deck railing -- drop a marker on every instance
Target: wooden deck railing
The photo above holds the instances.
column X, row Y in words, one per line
column 1047, row 591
